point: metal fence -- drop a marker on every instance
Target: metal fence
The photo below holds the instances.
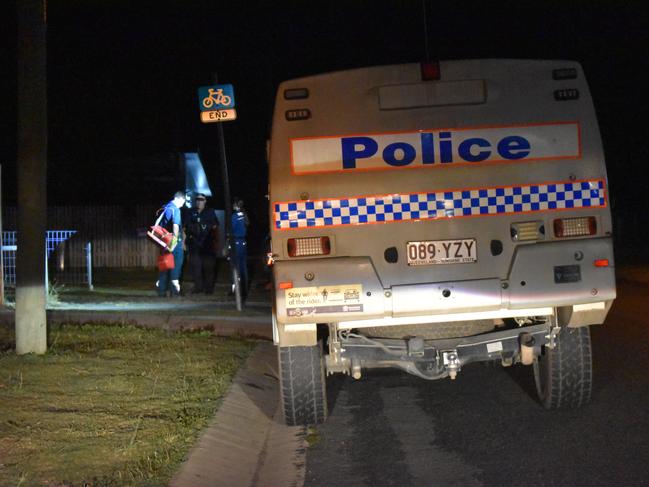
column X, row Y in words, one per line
column 64, row 265
column 117, row 233
column 9, row 257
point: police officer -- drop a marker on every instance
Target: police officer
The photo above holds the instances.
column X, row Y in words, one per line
column 169, row 281
column 202, row 238
column 240, row 224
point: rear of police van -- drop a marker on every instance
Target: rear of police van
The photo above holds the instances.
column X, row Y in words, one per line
column 437, row 201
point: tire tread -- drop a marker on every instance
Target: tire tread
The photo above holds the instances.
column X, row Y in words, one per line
column 570, row 374
column 302, row 385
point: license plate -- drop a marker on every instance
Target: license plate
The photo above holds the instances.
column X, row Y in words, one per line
column 427, row 252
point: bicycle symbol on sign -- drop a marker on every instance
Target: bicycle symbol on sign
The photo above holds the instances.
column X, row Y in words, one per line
column 216, row 97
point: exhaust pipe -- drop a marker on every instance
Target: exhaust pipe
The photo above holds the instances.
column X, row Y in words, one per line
column 356, row 369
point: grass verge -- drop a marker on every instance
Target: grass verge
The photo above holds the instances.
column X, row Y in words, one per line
column 109, row 405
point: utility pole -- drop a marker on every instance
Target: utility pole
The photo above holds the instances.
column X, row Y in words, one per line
column 31, row 320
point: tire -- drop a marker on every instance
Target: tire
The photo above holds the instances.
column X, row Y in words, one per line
column 302, row 385
column 564, row 374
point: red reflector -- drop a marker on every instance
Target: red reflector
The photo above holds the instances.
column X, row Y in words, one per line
column 575, row 227
column 430, row 71
column 286, row 285
column 601, row 263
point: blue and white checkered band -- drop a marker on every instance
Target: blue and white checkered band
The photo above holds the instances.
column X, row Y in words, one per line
column 363, row 210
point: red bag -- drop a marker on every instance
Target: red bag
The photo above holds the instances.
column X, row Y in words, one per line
column 166, row 262
column 160, row 235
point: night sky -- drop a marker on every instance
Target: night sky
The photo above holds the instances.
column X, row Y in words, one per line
column 123, row 78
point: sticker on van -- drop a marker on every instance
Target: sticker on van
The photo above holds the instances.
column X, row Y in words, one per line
column 324, row 299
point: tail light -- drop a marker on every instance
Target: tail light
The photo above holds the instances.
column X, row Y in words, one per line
column 523, row 231
column 430, row 71
column 299, row 114
column 564, row 73
column 566, row 94
column 575, row 227
column 308, row 246
column 296, row 93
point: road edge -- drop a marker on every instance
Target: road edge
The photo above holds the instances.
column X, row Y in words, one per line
column 246, row 443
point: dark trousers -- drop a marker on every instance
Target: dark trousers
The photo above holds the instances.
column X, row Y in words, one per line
column 165, row 278
column 202, row 267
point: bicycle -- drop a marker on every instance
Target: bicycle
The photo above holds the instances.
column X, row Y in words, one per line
column 216, row 97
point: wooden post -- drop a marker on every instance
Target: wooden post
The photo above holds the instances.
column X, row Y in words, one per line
column 31, row 325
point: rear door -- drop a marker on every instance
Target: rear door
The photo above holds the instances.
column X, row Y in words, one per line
column 442, row 173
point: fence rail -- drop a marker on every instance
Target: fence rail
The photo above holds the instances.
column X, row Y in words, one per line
column 57, row 258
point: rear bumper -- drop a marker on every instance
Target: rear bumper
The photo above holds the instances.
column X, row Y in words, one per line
column 347, row 290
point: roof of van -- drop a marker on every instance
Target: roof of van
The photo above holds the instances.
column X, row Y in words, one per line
column 483, row 63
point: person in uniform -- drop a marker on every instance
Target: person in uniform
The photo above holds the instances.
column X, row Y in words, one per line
column 201, row 229
column 240, row 224
column 169, row 281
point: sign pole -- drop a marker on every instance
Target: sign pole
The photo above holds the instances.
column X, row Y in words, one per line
column 228, row 208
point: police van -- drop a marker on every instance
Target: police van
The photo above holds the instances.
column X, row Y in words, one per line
column 427, row 216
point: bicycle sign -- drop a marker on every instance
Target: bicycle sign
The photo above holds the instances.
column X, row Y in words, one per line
column 216, row 103
column 216, row 97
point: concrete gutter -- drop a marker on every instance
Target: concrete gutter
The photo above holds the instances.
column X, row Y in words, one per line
column 247, row 443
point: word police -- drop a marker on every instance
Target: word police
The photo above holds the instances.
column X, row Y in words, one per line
column 431, row 150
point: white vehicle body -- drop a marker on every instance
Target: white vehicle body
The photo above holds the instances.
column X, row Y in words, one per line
column 475, row 199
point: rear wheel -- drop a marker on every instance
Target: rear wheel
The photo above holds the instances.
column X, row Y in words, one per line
column 564, row 374
column 302, row 384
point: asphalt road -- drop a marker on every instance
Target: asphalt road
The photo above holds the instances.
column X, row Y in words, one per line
column 486, row 428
